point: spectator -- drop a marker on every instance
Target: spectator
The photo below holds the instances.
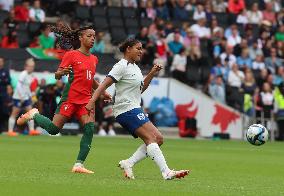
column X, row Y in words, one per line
column 169, row 28
column 217, row 89
column 45, row 40
column 273, row 61
column 170, row 37
column 178, row 67
column 218, row 42
column 234, row 38
column 155, row 27
column 235, row 97
column 36, row 13
column 161, row 49
column 150, row 10
column 249, row 86
column 262, row 78
column 229, row 55
column 5, row 82
column 129, row 3
column 114, row 3
column 254, row 50
column 236, row 6
column 6, row 105
column 175, row 46
column 6, row 4
column 88, row 3
column 215, row 26
column 10, row 40
column 199, row 13
column 191, row 42
column 268, row 13
column 279, row 36
column 180, row 12
column 10, row 23
column 258, row 63
column 219, row 70
column 278, row 77
column 266, row 100
column 242, row 18
column 200, row 29
column 162, row 10
column 22, row 11
column 254, row 15
column 99, row 45
column 219, row 6
column 240, row 47
column 244, row 61
column 279, row 97
column 142, row 36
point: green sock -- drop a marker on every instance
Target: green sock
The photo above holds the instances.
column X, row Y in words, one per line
column 46, row 124
column 86, row 141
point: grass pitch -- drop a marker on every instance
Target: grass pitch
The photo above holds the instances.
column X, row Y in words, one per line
column 41, row 166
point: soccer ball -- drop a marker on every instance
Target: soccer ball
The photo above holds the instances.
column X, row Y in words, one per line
column 257, row 134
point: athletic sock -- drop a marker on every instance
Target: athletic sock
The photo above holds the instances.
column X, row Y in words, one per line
column 155, row 153
column 11, row 123
column 138, row 155
column 31, row 125
column 46, row 124
column 86, row 141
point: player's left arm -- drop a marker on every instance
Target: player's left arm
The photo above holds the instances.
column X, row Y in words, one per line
column 155, row 69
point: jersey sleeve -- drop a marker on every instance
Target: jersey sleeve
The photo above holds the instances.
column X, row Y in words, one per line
column 66, row 60
column 116, row 73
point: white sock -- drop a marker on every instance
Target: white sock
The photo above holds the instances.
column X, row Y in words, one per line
column 77, row 164
column 11, row 123
column 31, row 125
column 154, row 151
column 138, row 155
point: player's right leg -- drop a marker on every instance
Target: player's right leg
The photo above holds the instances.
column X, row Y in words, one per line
column 12, row 119
column 153, row 138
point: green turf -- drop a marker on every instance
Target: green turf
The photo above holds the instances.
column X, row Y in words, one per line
column 41, row 166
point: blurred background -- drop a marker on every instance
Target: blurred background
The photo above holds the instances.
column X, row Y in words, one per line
column 223, row 60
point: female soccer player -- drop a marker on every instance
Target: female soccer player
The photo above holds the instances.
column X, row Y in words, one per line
column 129, row 85
column 22, row 98
column 80, row 65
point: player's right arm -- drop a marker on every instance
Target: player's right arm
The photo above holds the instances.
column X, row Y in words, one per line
column 62, row 71
column 65, row 66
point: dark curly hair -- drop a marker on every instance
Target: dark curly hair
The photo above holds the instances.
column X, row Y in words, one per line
column 67, row 38
column 128, row 43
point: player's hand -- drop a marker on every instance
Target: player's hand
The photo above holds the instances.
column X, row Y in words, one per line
column 107, row 97
column 67, row 70
column 90, row 106
column 156, row 68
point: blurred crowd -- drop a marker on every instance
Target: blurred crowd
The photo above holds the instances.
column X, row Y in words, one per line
column 232, row 50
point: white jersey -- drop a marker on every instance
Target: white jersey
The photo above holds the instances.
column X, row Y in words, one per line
column 128, row 86
column 22, row 90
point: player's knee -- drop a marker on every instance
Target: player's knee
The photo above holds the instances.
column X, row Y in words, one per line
column 160, row 140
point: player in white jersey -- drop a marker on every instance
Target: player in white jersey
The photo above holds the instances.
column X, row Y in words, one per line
column 22, row 97
column 129, row 85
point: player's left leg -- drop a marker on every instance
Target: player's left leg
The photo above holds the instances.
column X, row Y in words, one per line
column 87, row 121
column 31, row 123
